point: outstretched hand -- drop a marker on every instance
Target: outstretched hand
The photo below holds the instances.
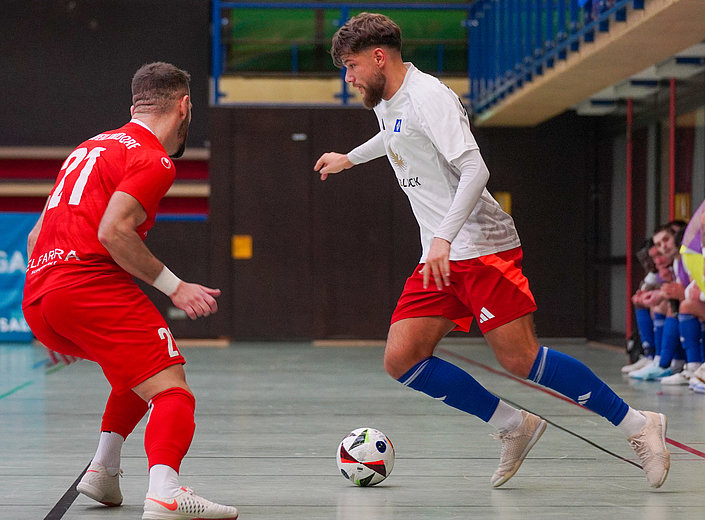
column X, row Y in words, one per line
column 56, row 358
column 332, row 162
column 196, row 300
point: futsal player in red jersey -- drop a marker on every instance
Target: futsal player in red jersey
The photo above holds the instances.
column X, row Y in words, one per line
column 81, row 299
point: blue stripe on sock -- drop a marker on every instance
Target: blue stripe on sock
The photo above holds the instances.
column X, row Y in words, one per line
column 455, row 387
column 573, row 379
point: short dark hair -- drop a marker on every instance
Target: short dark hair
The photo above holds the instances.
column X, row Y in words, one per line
column 362, row 32
column 156, row 85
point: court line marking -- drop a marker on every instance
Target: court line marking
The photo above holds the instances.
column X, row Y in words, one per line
column 31, row 381
column 66, row 501
column 488, row 368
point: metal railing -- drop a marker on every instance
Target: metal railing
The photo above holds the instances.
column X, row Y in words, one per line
column 509, row 42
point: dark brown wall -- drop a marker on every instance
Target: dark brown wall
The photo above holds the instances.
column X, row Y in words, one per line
column 330, row 258
column 66, row 65
column 548, row 171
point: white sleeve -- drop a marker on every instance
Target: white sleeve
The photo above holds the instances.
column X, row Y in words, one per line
column 473, row 178
column 367, row 151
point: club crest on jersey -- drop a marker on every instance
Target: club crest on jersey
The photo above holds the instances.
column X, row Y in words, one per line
column 397, row 159
column 397, row 126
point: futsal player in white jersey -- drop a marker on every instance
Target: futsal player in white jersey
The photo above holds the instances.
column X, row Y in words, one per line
column 471, row 261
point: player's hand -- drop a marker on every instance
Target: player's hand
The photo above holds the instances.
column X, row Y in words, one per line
column 332, row 162
column 437, row 264
column 652, row 298
column 196, row 300
column 56, row 358
column 673, row 291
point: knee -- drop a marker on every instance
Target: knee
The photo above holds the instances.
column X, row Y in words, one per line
column 517, row 365
column 398, row 362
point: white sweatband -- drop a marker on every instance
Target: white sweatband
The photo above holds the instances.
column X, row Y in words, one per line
column 167, row 282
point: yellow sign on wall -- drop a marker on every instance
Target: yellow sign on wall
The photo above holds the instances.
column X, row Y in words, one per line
column 241, row 247
column 505, row 200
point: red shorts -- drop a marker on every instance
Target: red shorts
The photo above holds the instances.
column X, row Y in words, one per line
column 492, row 288
column 107, row 321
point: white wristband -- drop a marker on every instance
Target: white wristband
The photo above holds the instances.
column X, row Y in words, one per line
column 167, row 282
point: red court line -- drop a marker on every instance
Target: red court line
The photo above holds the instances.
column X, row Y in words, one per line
column 530, row 384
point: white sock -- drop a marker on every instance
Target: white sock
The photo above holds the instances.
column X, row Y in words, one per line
column 632, row 423
column 677, row 365
column 163, row 481
column 108, row 451
column 506, row 418
column 692, row 367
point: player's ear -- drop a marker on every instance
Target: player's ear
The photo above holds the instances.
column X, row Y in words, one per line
column 132, row 110
column 379, row 56
column 184, row 104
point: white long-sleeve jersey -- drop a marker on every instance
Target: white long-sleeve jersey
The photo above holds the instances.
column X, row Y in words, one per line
column 425, row 133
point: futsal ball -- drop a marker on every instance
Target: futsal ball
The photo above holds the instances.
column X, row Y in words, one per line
column 365, row 456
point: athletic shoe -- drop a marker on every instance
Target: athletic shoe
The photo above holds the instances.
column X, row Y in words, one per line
column 651, row 372
column 97, row 483
column 697, row 386
column 642, row 362
column 650, row 445
column 699, row 374
column 516, row 445
column 185, row 506
column 681, row 378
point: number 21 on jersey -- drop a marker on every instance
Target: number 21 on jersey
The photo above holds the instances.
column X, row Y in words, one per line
column 78, row 156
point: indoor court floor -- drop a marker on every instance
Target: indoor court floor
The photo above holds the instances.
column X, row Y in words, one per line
column 269, row 417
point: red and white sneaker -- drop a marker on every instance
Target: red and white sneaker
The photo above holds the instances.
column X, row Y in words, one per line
column 185, row 506
column 97, row 483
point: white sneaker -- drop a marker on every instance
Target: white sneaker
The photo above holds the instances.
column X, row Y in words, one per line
column 97, row 483
column 699, row 374
column 639, row 363
column 516, row 445
column 185, row 506
column 681, row 378
column 650, row 445
column 697, row 386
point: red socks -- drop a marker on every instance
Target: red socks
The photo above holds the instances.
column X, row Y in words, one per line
column 170, row 427
column 122, row 413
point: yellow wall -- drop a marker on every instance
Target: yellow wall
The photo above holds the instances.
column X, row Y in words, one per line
column 298, row 90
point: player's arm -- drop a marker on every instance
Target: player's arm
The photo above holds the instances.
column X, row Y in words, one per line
column 118, row 234
column 332, row 162
column 34, row 234
column 473, row 178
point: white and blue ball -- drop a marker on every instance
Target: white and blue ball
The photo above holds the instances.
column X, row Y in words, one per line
column 365, row 456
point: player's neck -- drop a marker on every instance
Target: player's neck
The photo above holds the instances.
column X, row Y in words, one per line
column 159, row 126
column 395, row 77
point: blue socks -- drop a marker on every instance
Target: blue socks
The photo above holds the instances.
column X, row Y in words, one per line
column 446, row 382
column 573, row 379
column 645, row 326
column 670, row 343
column 659, row 321
column 689, row 327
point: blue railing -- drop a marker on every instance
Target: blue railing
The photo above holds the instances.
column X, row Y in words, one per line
column 509, row 41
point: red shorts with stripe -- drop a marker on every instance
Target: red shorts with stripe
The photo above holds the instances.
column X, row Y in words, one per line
column 491, row 288
column 110, row 321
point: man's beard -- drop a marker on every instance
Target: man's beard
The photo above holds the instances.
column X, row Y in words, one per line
column 372, row 94
column 182, row 135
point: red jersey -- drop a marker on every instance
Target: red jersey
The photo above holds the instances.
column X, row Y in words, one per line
column 131, row 160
